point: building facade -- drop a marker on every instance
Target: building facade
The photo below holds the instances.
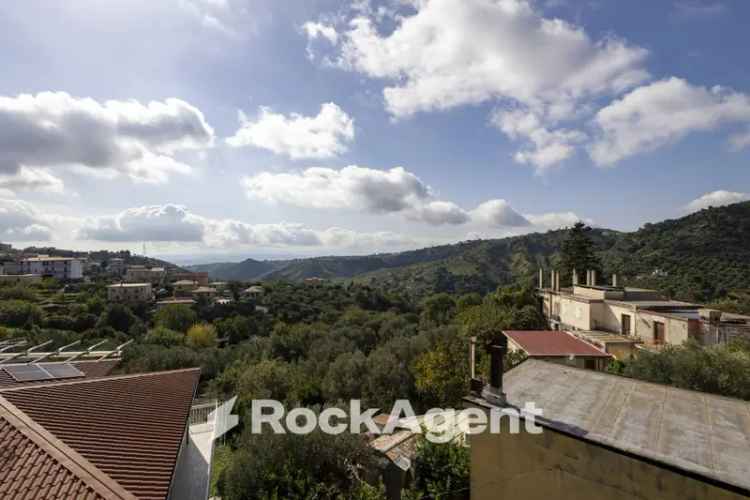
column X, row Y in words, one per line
column 143, row 274
column 62, row 268
column 130, row 292
column 623, row 319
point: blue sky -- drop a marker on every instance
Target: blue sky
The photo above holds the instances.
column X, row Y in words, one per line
column 366, row 126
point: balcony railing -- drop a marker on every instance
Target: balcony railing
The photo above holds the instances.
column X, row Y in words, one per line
column 202, row 413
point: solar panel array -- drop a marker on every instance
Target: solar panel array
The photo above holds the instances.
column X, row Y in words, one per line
column 42, row 371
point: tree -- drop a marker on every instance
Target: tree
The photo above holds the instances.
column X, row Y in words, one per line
column 164, row 337
column 119, row 317
column 441, row 471
column 577, row 252
column 442, row 374
column 201, row 335
column 18, row 314
column 177, row 317
column 438, row 309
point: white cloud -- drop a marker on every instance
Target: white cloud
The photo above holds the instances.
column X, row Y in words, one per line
column 315, row 30
column 454, row 52
column 20, row 221
column 660, row 113
column 498, row 213
column 171, row 223
column 716, row 199
column 556, row 220
column 547, row 147
column 227, row 17
column 150, row 223
column 54, row 129
column 352, row 187
column 31, row 179
column 439, row 212
column 322, row 136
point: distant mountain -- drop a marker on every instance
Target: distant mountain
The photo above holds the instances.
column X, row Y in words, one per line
column 247, row 270
column 696, row 257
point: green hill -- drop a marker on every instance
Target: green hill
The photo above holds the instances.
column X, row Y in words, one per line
column 697, row 257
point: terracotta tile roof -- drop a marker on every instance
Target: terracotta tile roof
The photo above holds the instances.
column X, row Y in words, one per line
column 128, row 427
column 552, row 343
column 91, row 369
column 36, row 465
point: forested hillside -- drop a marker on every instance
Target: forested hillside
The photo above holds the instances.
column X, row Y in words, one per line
column 698, row 257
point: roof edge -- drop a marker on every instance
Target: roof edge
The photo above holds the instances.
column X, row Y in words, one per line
column 97, row 379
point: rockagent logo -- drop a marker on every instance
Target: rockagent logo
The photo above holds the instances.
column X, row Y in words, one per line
column 439, row 425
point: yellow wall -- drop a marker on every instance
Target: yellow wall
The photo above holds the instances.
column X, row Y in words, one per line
column 555, row 466
column 676, row 329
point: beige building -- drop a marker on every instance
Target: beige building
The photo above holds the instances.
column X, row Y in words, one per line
column 184, row 288
column 205, row 292
column 130, row 292
column 622, row 319
column 609, row 437
column 143, row 274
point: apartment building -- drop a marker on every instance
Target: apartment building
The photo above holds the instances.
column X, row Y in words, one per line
column 130, row 293
column 62, row 268
column 622, row 319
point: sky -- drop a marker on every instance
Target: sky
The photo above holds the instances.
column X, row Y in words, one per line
column 221, row 129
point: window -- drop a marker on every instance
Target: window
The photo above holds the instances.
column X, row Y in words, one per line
column 659, row 335
column 625, row 324
column 589, row 364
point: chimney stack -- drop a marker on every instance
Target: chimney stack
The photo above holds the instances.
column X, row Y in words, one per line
column 557, row 281
column 614, row 280
column 575, row 277
column 593, row 277
column 493, row 393
column 541, row 278
column 552, row 280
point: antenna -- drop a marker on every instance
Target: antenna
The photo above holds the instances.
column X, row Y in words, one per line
column 144, row 248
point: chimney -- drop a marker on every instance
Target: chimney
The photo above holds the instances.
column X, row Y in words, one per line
column 552, row 280
column 575, row 277
column 541, row 278
column 557, row 281
column 593, row 277
column 614, row 280
column 493, row 393
column 588, row 277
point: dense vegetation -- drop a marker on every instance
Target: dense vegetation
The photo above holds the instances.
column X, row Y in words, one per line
column 701, row 257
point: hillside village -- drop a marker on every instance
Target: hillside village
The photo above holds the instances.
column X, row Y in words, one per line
column 632, row 383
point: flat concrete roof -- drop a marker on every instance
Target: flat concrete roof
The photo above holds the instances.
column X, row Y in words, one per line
column 699, row 433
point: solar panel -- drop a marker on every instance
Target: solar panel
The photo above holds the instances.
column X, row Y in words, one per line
column 62, row 370
column 27, row 373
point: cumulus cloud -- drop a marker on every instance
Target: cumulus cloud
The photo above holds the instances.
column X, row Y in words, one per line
column 660, row 113
column 352, row 187
column 556, row 220
column 394, row 191
column 177, row 224
column 450, row 52
column 716, row 199
column 498, row 213
column 322, row 136
column 547, row 147
column 150, row 223
column 55, row 129
column 20, row 221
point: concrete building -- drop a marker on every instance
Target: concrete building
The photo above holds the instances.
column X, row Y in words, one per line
column 116, row 266
column 558, row 347
column 608, row 437
column 184, row 288
column 205, row 293
column 175, row 302
column 621, row 319
column 143, row 274
column 200, row 277
column 62, row 268
column 130, row 292
column 253, row 292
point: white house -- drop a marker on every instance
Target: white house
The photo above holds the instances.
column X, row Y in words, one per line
column 62, row 268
